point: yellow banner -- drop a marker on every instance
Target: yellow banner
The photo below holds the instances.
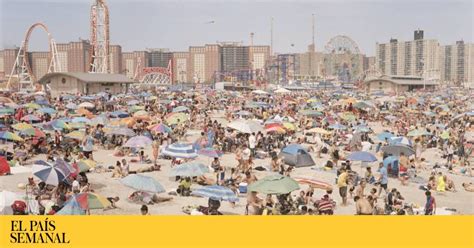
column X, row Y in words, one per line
column 233, row 231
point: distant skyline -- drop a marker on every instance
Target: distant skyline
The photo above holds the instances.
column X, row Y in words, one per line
column 136, row 25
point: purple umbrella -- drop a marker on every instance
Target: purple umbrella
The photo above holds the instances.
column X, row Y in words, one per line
column 138, row 142
column 210, row 152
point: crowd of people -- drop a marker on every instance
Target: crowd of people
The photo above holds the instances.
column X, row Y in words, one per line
column 251, row 131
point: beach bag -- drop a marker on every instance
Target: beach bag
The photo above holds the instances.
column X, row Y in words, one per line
column 19, row 207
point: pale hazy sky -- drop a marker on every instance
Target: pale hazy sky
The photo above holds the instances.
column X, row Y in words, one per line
column 137, row 25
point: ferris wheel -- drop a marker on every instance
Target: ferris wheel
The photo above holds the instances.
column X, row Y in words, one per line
column 343, row 59
column 342, row 44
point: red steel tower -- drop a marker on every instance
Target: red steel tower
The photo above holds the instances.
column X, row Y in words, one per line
column 99, row 53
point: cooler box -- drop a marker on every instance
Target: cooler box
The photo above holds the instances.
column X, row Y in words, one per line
column 243, row 188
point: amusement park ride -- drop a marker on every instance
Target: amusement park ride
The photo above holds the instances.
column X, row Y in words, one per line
column 153, row 75
column 22, row 73
column 100, row 39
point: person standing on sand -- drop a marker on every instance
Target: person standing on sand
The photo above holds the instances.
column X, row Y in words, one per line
column 88, row 145
column 156, row 150
column 342, row 184
column 430, row 206
column 383, row 179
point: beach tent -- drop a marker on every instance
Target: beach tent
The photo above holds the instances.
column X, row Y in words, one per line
column 296, row 155
column 4, row 166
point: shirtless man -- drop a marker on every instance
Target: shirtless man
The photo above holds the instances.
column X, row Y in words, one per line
column 254, row 204
column 360, row 189
column 363, row 206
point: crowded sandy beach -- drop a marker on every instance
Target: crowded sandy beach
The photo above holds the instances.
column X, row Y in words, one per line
column 218, row 152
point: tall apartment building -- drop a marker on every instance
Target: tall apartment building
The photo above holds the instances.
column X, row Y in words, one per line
column 7, row 60
column 134, row 62
column 310, row 64
column 197, row 64
column 408, row 58
column 457, row 63
column 234, row 57
column 159, row 57
column 369, row 62
column 181, row 66
column 213, row 61
column 259, row 57
column 205, row 62
column 78, row 56
column 39, row 63
column 63, row 51
column 115, row 59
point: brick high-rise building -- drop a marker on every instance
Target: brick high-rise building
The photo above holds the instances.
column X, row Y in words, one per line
column 63, row 51
column 39, row 62
column 181, row 66
column 115, row 59
column 78, row 56
column 134, row 62
column 197, row 64
column 212, row 61
column 259, row 57
column 7, row 60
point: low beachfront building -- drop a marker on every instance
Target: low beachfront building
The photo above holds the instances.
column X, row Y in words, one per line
column 84, row 83
column 398, row 84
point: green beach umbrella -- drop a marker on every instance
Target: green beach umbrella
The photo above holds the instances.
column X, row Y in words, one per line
column 274, row 184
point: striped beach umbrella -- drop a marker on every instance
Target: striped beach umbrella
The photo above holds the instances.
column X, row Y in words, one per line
column 71, row 208
column 180, row 150
column 89, row 201
column 49, row 174
column 216, row 192
column 160, row 128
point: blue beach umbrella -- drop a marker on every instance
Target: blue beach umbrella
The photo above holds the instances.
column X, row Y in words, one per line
column 189, row 170
column 47, row 110
column 142, row 183
column 362, row 156
column 384, row 135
